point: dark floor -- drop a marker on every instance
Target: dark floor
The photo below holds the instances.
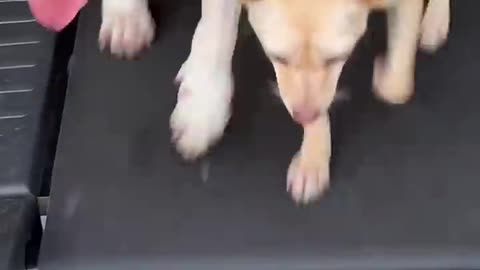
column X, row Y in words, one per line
column 404, row 192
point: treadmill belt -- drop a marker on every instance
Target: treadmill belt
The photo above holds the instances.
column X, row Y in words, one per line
column 405, row 179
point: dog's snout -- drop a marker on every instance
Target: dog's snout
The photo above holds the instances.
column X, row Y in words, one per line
column 305, row 116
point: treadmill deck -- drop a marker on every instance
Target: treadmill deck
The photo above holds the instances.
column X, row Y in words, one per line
column 404, row 189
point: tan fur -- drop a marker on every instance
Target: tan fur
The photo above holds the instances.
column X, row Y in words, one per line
column 377, row 4
column 308, row 42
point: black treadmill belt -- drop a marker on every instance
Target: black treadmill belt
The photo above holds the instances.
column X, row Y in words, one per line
column 405, row 180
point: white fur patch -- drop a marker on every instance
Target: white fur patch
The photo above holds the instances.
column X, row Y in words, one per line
column 206, row 81
column 203, row 107
column 127, row 27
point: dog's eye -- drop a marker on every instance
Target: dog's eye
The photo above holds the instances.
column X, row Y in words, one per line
column 335, row 60
column 279, row 59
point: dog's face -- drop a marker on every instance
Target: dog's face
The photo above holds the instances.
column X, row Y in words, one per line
column 308, row 42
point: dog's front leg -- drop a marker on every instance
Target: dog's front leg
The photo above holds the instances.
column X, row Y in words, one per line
column 435, row 25
column 127, row 27
column 394, row 75
column 308, row 174
column 206, row 84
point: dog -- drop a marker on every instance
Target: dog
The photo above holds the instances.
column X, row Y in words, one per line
column 307, row 42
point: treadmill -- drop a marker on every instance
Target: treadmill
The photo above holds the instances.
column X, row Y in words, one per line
column 405, row 179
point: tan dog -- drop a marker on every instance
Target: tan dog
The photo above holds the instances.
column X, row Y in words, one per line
column 308, row 42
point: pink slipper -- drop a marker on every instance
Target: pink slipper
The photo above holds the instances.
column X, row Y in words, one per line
column 55, row 14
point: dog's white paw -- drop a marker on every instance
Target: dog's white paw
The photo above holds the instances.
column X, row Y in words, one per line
column 435, row 25
column 203, row 108
column 127, row 27
column 307, row 179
